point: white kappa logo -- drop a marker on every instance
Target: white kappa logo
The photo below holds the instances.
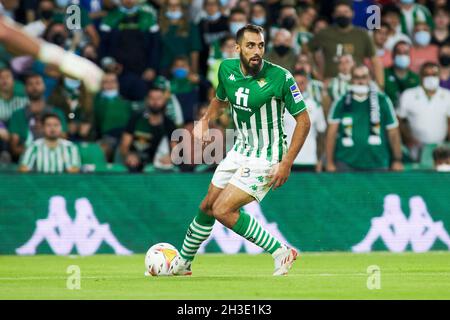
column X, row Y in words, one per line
column 397, row 231
column 62, row 233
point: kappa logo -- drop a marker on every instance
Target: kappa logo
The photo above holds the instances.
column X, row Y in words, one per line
column 85, row 232
column 231, row 77
column 397, row 231
column 230, row 242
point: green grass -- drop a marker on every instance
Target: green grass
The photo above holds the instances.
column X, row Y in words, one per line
column 314, row 276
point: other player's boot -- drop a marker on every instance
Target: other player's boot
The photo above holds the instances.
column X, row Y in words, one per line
column 284, row 258
column 182, row 267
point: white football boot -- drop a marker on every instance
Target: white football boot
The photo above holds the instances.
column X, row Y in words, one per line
column 181, row 267
column 284, row 257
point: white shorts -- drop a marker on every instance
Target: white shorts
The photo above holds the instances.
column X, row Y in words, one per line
column 252, row 175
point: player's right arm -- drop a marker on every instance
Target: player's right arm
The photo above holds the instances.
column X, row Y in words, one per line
column 215, row 110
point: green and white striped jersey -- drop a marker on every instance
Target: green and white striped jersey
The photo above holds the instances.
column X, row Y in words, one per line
column 257, row 107
column 7, row 107
column 41, row 158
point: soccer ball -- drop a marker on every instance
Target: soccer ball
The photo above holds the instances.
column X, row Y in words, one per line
column 159, row 259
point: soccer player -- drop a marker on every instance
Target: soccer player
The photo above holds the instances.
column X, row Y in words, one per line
column 19, row 43
column 257, row 91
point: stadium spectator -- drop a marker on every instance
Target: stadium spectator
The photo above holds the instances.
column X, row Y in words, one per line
column 319, row 24
column 227, row 50
column 12, row 95
column 315, row 88
column 51, row 153
column 5, row 157
column 282, row 52
column 45, row 14
column 173, row 107
column 441, row 32
column 71, row 97
column 424, row 111
column 307, row 14
column 444, row 63
column 258, row 15
column 145, row 131
column 287, row 19
column 338, row 85
column 212, row 27
column 185, row 85
column 399, row 76
column 441, row 158
column 312, row 150
column 391, row 15
column 179, row 36
column 25, row 124
column 413, row 14
column 343, row 38
column 111, row 114
column 363, row 129
column 130, row 35
column 422, row 50
column 380, row 36
column 237, row 20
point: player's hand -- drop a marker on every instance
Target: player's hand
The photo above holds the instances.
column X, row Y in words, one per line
column 397, row 166
column 201, row 131
column 331, row 167
column 281, row 172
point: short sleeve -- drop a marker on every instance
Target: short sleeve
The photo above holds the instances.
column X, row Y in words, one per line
column 335, row 114
column 291, row 95
column 389, row 113
column 220, row 91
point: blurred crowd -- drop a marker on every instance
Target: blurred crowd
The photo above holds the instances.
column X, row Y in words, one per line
column 376, row 80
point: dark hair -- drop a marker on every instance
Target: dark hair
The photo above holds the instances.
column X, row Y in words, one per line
column 225, row 39
column 249, row 28
column 391, row 8
column 236, row 10
column 31, row 76
column 399, row 43
column 49, row 115
column 300, row 72
column 382, row 24
column 427, row 65
column 441, row 153
column 343, row 3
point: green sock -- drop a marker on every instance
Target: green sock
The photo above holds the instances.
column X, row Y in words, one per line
column 198, row 231
column 249, row 228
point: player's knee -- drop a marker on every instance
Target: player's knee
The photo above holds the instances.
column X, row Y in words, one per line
column 219, row 211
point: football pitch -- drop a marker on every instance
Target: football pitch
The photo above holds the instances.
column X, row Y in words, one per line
column 215, row 276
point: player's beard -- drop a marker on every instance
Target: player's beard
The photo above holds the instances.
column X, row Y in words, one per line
column 250, row 69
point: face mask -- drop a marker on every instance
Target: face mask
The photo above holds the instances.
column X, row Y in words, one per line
column 259, row 21
column 235, row 26
column 444, row 60
column 213, row 17
column 359, row 89
column 72, row 84
column 288, row 23
column 155, row 111
column 281, row 50
column 180, row 73
column 110, row 94
column 345, row 77
column 431, row 83
column 402, row 61
column 422, row 38
column 174, row 15
column 46, row 14
column 342, row 21
column 131, row 10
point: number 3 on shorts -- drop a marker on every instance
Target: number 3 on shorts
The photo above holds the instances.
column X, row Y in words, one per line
column 245, row 172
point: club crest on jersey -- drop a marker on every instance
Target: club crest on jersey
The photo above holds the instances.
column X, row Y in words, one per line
column 261, row 82
column 296, row 93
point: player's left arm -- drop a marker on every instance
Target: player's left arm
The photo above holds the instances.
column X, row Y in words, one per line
column 296, row 106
